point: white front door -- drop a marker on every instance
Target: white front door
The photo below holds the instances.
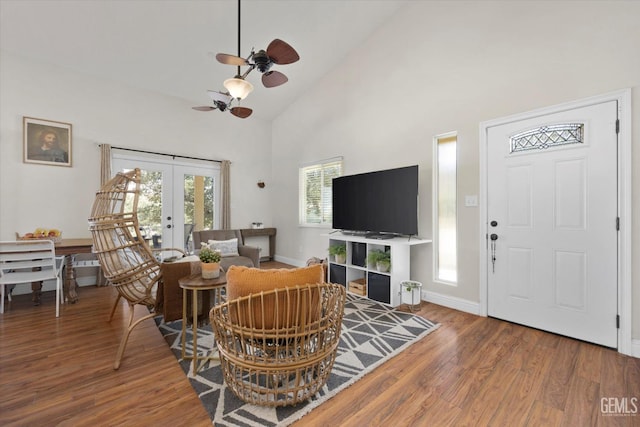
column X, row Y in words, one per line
column 552, row 209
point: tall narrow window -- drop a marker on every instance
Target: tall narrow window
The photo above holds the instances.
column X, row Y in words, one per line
column 316, row 204
column 445, row 208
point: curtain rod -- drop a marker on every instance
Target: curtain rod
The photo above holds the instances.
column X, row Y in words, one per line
column 162, row 154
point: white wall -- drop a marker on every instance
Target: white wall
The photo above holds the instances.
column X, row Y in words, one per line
column 101, row 111
column 447, row 66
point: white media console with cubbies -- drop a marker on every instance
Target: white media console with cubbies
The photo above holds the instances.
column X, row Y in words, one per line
column 379, row 286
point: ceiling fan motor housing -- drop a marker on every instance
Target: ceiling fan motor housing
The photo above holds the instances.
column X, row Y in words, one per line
column 262, row 61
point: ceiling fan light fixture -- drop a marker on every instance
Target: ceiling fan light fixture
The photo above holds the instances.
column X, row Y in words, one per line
column 238, row 88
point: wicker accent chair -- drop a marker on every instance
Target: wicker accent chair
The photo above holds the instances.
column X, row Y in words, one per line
column 278, row 347
column 125, row 258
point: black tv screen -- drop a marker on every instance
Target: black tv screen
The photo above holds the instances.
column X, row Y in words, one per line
column 377, row 202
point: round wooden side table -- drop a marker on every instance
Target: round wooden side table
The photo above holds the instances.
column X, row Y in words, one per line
column 195, row 283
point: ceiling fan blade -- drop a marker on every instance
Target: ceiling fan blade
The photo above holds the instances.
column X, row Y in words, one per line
column 241, row 112
column 281, row 52
column 205, row 108
column 231, row 59
column 219, row 96
column 273, row 79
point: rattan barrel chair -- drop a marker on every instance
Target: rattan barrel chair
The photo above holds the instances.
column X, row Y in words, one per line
column 127, row 261
column 278, row 347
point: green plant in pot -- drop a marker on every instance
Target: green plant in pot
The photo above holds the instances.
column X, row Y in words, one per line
column 209, row 262
column 339, row 252
column 379, row 259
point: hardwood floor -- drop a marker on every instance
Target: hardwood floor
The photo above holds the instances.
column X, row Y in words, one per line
column 471, row 371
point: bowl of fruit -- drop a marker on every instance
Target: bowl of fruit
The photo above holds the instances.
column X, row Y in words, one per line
column 42, row 234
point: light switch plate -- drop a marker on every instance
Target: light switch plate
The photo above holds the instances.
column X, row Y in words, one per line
column 471, row 200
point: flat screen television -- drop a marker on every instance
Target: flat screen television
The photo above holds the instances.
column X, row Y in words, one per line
column 379, row 203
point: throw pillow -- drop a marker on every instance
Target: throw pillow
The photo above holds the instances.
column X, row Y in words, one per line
column 225, row 247
column 242, row 281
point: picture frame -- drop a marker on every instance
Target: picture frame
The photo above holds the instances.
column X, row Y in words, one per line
column 46, row 142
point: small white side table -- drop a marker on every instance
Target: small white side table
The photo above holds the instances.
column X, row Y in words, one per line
column 412, row 286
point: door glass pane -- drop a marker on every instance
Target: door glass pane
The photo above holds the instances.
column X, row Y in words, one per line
column 150, row 207
column 199, row 206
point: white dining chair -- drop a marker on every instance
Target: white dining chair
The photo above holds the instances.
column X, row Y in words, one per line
column 27, row 261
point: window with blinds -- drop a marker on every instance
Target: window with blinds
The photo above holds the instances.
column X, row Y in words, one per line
column 315, row 195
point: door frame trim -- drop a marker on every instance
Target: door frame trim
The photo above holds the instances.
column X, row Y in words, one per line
column 623, row 97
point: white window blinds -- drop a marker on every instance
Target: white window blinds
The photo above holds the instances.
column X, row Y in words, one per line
column 315, row 193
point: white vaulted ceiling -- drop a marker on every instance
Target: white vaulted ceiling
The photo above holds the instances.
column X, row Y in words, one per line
column 169, row 46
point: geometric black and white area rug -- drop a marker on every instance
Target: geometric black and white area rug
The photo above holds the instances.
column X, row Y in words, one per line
column 372, row 333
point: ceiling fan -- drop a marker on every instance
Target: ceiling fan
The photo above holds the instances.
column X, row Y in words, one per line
column 222, row 101
column 278, row 52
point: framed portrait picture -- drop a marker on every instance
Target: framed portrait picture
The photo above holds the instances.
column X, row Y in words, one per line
column 47, row 142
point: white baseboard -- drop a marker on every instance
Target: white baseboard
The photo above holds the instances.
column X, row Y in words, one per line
column 290, row 261
column 474, row 308
column 452, row 302
column 635, row 348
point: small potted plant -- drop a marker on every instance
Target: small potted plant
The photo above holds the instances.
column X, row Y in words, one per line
column 339, row 252
column 372, row 257
column 384, row 263
column 210, row 262
column 379, row 259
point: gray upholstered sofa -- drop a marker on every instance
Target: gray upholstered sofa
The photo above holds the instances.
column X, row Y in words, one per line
column 248, row 256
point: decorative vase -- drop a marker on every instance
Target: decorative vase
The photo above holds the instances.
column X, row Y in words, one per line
column 210, row 270
column 382, row 267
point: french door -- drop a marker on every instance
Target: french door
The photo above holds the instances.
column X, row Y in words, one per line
column 178, row 196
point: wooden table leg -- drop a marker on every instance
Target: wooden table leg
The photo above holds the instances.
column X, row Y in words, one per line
column 70, row 286
column 194, row 327
column 194, row 320
column 183, row 338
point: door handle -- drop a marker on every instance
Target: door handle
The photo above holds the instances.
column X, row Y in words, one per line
column 169, row 226
column 494, row 223
column 493, row 238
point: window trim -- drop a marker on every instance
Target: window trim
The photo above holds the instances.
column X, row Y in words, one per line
column 301, row 193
